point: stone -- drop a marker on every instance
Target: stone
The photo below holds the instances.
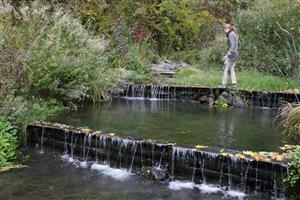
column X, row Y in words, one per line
column 155, row 173
column 167, row 67
column 239, row 102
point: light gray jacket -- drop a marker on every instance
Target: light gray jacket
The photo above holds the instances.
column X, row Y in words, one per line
column 233, row 44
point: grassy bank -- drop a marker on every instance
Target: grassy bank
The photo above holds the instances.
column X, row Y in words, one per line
column 247, row 80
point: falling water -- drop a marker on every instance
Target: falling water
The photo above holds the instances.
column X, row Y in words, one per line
column 221, row 174
column 229, row 174
column 134, row 151
column 142, row 162
column 65, row 143
column 153, row 155
column 42, row 141
column 116, row 147
column 161, row 157
column 246, row 176
column 89, row 146
column 194, row 170
column 202, row 171
column 173, row 158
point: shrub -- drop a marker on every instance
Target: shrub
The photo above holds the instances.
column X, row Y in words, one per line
column 291, row 121
column 8, row 142
column 293, row 177
column 212, row 55
column 20, row 110
column 269, row 37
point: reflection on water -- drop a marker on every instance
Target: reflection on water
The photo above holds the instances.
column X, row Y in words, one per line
column 48, row 177
column 182, row 123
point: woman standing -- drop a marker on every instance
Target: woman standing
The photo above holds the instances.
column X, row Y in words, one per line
column 231, row 56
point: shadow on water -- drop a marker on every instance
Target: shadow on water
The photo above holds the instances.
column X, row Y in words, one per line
column 182, row 123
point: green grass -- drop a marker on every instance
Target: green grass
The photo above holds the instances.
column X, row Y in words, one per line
column 247, row 80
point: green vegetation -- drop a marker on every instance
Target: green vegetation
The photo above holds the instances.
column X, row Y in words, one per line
column 293, row 176
column 290, row 115
column 56, row 54
column 247, row 79
column 8, row 142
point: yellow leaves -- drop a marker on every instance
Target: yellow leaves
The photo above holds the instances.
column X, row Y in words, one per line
column 240, row 156
column 86, row 130
column 201, row 147
column 288, row 147
column 97, row 132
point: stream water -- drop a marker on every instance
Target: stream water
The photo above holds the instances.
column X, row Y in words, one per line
column 182, row 123
column 50, row 176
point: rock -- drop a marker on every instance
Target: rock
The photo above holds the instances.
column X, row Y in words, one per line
column 239, row 102
column 155, row 173
column 167, row 67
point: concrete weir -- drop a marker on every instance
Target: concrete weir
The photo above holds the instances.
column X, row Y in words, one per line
column 239, row 98
column 225, row 169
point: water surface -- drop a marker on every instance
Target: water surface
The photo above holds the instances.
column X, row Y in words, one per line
column 182, row 123
column 48, row 177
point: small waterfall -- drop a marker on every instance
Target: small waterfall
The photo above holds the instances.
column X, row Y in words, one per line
column 194, row 170
column 153, row 154
column 173, row 160
column 246, row 176
column 161, row 157
column 42, row 141
column 89, row 146
column 221, row 174
column 202, row 171
column 96, row 149
column 229, row 175
column 215, row 172
column 84, row 145
column 65, row 143
column 134, row 146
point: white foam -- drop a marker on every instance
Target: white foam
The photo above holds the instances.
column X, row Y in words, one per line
column 178, row 185
column 83, row 164
column 118, row 174
column 207, row 189
column 236, row 194
column 134, row 98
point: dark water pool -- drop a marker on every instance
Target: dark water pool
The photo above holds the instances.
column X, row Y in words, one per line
column 48, row 177
column 182, row 123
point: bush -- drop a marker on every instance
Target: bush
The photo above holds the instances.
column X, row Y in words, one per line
column 269, row 37
column 21, row 111
column 293, row 176
column 211, row 57
column 291, row 121
column 60, row 57
column 8, row 142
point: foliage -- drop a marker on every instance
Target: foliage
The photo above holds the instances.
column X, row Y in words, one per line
column 293, row 178
column 211, row 56
column 269, row 37
column 290, row 115
column 212, row 78
column 176, row 25
column 8, row 142
column 59, row 56
column 21, row 111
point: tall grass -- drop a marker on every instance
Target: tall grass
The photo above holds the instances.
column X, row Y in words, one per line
column 247, row 79
column 290, row 115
